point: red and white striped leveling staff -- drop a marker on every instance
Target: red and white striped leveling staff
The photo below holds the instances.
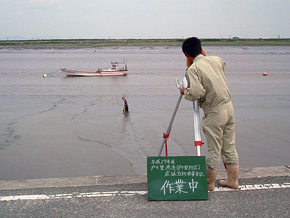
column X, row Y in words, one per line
column 197, row 128
column 196, row 122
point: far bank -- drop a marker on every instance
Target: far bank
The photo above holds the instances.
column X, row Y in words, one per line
column 40, row 43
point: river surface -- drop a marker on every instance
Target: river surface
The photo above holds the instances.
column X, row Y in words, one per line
column 69, row 127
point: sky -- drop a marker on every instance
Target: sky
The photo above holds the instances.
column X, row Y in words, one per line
column 146, row 19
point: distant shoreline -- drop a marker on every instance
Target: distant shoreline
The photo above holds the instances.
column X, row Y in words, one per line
column 76, row 43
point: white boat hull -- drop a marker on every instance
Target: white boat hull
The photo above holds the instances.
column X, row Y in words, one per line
column 72, row 73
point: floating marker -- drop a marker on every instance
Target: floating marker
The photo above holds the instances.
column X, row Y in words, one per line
column 265, row 74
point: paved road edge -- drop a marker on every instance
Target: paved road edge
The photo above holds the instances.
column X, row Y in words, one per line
column 257, row 172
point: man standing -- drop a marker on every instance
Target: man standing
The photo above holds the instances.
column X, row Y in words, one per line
column 207, row 84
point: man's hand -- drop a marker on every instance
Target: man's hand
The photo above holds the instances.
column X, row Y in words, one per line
column 182, row 90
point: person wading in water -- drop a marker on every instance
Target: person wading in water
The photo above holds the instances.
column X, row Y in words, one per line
column 126, row 107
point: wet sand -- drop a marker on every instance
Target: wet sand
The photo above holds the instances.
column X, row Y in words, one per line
column 69, row 138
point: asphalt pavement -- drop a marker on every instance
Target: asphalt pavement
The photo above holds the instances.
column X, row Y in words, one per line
column 263, row 192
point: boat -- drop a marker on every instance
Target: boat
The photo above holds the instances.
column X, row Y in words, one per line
column 114, row 70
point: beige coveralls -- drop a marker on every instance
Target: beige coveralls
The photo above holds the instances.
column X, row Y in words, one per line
column 207, row 84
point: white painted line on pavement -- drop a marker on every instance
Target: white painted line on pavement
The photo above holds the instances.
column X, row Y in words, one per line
column 254, row 187
column 131, row 193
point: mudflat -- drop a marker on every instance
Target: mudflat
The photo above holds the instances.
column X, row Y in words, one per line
column 58, row 127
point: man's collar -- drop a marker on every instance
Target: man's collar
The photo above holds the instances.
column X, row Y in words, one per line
column 198, row 57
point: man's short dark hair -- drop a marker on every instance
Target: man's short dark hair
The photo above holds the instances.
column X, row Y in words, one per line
column 192, row 46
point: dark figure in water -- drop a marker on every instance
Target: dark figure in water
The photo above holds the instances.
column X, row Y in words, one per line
column 126, row 107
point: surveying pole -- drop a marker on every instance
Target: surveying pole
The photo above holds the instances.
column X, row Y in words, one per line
column 197, row 128
column 196, row 120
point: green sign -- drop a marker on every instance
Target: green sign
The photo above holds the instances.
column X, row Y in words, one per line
column 177, row 178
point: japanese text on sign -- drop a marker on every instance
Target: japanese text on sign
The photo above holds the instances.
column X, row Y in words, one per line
column 171, row 169
column 179, row 186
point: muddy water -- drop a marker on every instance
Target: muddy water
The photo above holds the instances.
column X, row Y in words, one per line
column 69, row 127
